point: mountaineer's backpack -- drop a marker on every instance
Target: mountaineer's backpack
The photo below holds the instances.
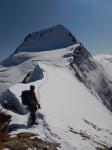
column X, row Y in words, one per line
column 24, row 97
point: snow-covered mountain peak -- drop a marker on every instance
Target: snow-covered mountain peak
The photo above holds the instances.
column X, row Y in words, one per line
column 48, row 39
column 70, row 114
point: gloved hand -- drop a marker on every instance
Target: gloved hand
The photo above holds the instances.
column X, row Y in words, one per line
column 39, row 107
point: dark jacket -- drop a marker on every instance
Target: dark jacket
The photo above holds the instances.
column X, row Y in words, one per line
column 32, row 101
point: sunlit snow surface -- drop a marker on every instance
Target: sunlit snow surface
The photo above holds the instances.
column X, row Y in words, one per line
column 68, row 108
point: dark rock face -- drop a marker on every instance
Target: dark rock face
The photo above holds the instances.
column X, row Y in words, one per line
column 4, row 121
column 89, row 72
column 83, row 61
column 48, row 39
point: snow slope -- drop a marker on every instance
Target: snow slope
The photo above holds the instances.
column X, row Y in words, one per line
column 66, row 103
column 71, row 113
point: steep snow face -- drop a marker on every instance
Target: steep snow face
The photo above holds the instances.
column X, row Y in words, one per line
column 91, row 73
column 49, row 39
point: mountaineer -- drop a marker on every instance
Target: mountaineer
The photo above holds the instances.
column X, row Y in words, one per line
column 29, row 99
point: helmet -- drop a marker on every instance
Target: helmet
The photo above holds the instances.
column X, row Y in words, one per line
column 32, row 87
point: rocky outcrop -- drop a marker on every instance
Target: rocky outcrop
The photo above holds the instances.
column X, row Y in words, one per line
column 4, row 121
column 36, row 74
column 24, row 141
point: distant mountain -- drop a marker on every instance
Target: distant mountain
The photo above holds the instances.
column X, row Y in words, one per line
column 49, row 39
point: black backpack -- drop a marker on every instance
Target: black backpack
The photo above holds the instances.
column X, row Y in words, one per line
column 24, row 97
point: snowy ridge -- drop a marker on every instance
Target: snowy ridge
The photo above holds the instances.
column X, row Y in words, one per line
column 70, row 114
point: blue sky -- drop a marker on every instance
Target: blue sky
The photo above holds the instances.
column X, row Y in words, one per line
column 89, row 20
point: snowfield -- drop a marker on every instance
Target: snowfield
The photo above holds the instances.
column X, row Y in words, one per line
column 68, row 111
column 69, row 114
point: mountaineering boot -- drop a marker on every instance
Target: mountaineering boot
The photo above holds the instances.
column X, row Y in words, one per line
column 36, row 123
